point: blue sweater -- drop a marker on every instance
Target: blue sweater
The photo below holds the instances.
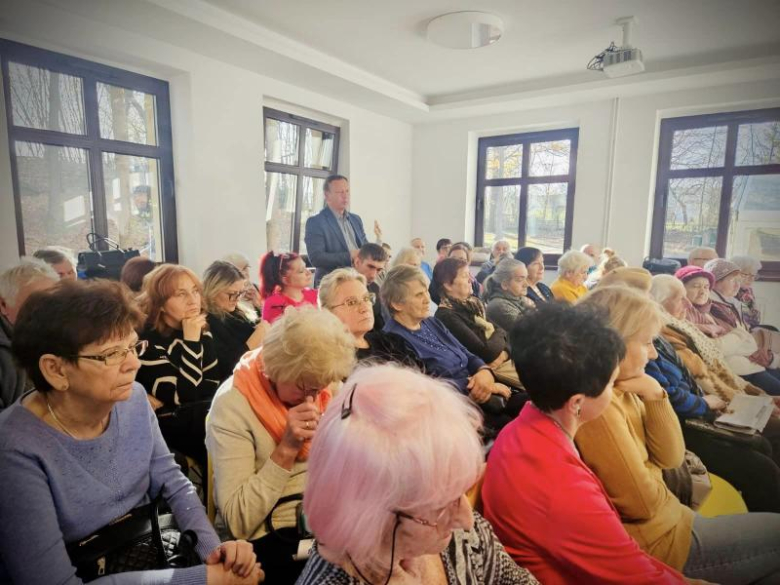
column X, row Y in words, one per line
column 684, row 399
column 55, row 490
column 442, row 354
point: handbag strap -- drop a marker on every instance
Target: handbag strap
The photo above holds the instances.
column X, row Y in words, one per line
column 269, row 524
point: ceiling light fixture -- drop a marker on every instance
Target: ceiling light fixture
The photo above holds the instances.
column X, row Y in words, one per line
column 465, row 30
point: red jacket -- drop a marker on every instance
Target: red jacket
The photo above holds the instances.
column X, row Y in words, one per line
column 553, row 515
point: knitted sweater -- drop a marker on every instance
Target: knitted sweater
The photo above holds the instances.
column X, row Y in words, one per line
column 564, row 290
column 55, row 490
column 627, row 447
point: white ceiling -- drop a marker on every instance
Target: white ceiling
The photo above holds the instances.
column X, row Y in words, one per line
column 550, row 40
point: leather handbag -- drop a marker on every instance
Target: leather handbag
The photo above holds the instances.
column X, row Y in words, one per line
column 104, row 263
column 144, row 539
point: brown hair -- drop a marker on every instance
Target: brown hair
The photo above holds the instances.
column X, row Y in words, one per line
column 68, row 317
column 134, row 270
column 159, row 285
column 445, row 272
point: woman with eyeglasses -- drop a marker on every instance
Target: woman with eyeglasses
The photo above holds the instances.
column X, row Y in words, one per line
column 285, row 282
column 233, row 323
column 573, row 269
column 84, row 448
column 343, row 292
column 179, row 369
column 505, row 294
column 386, row 493
column 537, row 291
column 260, row 429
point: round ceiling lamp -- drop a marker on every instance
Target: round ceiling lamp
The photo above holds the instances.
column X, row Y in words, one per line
column 465, row 30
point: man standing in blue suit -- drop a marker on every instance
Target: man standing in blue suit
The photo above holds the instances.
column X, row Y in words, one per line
column 333, row 236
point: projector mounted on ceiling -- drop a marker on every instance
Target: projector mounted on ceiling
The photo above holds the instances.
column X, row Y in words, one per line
column 623, row 60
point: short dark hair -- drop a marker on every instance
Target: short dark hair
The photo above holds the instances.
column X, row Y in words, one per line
column 373, row 251
column 442, row 243
column 528, row 254
column 134, row 270
column 444, row 273
column 71, row 315
column 560, row 351
column 330, row 179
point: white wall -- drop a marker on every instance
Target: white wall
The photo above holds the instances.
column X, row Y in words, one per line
column 615, row 168
column 217, row 123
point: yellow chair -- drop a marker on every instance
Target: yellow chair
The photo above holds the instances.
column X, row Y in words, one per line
column 724, row 499
column 474, row 495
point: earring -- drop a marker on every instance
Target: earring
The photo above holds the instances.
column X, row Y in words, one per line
column 579, row 409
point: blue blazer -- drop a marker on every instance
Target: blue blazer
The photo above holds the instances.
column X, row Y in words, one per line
column 325, row 243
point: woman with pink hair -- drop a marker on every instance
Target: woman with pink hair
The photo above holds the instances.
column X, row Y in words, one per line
column 393, row 457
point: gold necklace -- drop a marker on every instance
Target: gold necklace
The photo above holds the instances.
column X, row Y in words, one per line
column 557, row 424
column 54, row 416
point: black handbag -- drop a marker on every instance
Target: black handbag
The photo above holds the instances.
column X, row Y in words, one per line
column 104, row 263
column 661, row 265
column 144, row 539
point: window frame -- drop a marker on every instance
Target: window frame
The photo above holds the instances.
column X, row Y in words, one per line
column 526, row 139
column 91, row 74
column 300, row 170
column 770, row 271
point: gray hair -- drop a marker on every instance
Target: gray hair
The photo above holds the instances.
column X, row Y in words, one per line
column 504, row 272
column 54, row 255
column 664, row 287
column 496, row 243
column 747, row 264
column 394, row 288
column 333, row 280
column 236, row 259
column 404, row 255
column 573, row 262
column 26, row 271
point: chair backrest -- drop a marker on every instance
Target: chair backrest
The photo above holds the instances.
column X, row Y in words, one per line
column 474, row 495
column 723, row 500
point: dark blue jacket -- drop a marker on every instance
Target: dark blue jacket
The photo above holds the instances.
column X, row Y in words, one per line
column 325, row 243
column 685, row 395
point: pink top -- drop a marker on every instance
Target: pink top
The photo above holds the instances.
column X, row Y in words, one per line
column 554, row 516
column 274, row 306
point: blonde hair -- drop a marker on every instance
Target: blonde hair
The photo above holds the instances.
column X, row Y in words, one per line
column 217, row 277
column 629, row 311
column 405, row 255
column 308, row 344
column 333, row 280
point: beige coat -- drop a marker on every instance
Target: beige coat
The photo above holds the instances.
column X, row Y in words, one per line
column 247, row 484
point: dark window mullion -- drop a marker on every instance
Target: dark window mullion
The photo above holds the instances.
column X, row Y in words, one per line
column 97, row 186
column 296, row 232
column 726, row 190
column 522, row 224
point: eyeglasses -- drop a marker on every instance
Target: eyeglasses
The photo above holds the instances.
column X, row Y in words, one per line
column 117, row 356
column 748, row 276
column 443, row 518
column 354, row 303
column 312, row 391
column 233, row 296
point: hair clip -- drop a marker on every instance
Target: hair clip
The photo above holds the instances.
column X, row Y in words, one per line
column 346, row 407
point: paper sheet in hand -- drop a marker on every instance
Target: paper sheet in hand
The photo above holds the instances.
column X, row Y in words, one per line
column 748, row 414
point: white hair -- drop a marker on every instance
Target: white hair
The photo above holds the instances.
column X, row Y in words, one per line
column 405, row 255
column 573, row 262
column 665, row 287
column 236, row 259
column 332, row 281
column 747, row 264
column 28, row 269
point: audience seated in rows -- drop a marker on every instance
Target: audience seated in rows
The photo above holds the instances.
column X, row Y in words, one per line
column 745, row 462
column 370, row 262
column 505, row 294
column 700, row 256
column 739, row 347
column 233, row 323
column 60, row 259
column 260, row 429
column 499, row 250
column 84, row 449
column 464, row 315
column 285, row 282
column 573, row 269
column 16, row 285
column 548, row 508
column 405, row 296
column 386, row 494
column 179, row 369
column 637, row 437
column 537, row 291
column 134, row 271
column 251, row 292
column 343, row 292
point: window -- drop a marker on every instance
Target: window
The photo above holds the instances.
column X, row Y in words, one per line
column 90, row 152
column 718, row 185
column 525, row 190
column 299, row 155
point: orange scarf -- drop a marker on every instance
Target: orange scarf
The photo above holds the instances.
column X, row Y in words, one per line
column 252, row 382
